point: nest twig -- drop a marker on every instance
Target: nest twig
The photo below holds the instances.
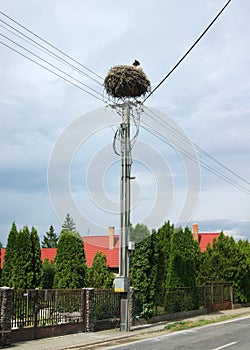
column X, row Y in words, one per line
column 126, row 82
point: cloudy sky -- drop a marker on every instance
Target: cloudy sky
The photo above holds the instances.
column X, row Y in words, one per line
column 191, row 158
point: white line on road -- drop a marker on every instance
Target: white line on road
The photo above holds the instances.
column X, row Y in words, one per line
column 225, row 346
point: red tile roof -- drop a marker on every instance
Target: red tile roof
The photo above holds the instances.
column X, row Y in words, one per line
column 2, row 254
column 48, row 253
column 205, row 238
column 92, row 244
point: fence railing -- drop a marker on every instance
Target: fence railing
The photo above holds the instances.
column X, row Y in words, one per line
column 46, row 307
column 106, row 304
column 173, row 300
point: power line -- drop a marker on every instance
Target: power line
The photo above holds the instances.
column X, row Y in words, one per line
column 176, row 132
column 188, row 51
column 50, row 64
column 48, row 43
column 49, row 70
column 45, row 50
column 161, row 137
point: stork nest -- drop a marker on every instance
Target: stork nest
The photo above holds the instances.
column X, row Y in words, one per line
column 126, row 82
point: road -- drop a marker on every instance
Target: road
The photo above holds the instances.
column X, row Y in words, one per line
column 231, row 335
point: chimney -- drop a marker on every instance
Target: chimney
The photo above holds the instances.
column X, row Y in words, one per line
column 111, row 237
column 195, row 232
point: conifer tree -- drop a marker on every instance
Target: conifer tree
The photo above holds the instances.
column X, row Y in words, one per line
column 50, row 240
column 143, row 272
column 181, row 271
column 68, row 224
column 70, row 261
column 99, row 275
column 23, row 269
column 48, row 272
column 36, row 258
column 227, row 261
column 10, row 257
column 163, row 239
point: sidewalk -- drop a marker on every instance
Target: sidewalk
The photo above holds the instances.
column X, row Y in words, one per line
column 81, row 340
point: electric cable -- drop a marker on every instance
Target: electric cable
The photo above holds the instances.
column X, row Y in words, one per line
column 175, row 146
column 213, row 159
column 49, row 70
column 188, row 51
column 45, row 50
column 50, row 64
column 48, row 43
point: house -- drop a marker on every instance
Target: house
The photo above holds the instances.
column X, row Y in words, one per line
column 109, row 245
column 204, row 237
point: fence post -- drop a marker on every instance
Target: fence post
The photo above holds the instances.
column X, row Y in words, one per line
column 36, row 301
column 6, row 300
column 231, row 295
column 89, row 309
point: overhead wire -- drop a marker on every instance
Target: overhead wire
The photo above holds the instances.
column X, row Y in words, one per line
column 201, row 161
column 50, row 64
column 51, row 45
column 49, row 70
column 188, row 51
column 52, row 54
column 187, row 154
column 198, row 148
column 42, row 48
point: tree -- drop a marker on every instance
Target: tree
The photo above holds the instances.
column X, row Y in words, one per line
column 48, row 273
column 163, row 239
column 68, row 224
column 35, row 258
column 227, row 261
column 181, row 270
column 10, row 257
column 139, row 233
column 22, row 275
column 70, row 261
column 99, row 275
column 50, row 240
column 143, row 272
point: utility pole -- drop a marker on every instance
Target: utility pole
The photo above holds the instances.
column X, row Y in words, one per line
column 122, row 283
column 127, row 83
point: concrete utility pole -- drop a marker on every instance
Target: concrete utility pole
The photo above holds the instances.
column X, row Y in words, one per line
column 125, row 216
column 125, row 82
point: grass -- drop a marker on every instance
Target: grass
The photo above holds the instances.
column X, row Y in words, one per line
column 182, row 325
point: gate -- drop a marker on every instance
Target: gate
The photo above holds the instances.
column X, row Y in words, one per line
column 44, row 313
column 218, row 296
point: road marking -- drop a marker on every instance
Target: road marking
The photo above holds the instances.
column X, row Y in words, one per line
column 225, row 346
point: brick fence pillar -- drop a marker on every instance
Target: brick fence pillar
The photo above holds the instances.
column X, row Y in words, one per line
column 6, row 299
column 89, row 317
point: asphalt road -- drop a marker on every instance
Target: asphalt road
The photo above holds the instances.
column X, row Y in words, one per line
column 231, row 335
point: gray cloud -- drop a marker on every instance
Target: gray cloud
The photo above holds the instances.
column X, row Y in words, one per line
column 208, row 96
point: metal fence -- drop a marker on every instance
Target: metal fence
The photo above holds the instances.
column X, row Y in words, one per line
column 211, row 296
column 106, row 304
column 47, row 307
